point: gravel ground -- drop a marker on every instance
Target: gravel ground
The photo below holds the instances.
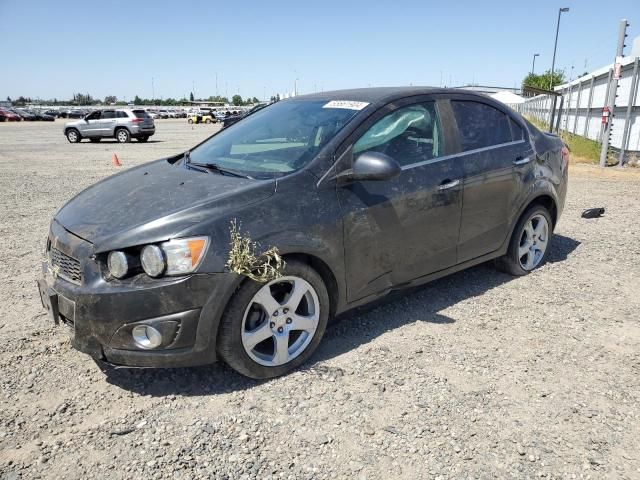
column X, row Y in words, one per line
column 478, row 375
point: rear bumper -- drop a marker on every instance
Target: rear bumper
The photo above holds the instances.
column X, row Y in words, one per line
column 142, row 132
column 101, row 317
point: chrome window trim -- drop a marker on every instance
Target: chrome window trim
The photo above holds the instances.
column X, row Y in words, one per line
column 460, row 154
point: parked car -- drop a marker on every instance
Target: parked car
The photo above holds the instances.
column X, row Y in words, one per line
column 26, row 116
column 231, row 119
column 52, row 113
column 9, row 116
column 123, row 125
column 75, row 114
column 361, row 192
column 41, row 116
column 202, row 117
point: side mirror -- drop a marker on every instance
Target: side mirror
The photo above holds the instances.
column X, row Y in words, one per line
column 372, row 166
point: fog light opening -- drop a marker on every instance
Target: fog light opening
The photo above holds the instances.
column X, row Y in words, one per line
column 146, row 337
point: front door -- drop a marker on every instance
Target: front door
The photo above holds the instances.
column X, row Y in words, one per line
column 90, row 127
column 407, row 227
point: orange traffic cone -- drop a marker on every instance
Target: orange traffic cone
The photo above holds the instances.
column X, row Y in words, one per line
column 115, row 161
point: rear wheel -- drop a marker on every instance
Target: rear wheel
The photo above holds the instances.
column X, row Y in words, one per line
column 73, row 135
column 529, row 245
column 271, row 328
column 123, row 136
column 143, row 139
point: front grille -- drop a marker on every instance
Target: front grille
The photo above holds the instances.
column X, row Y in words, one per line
column 65, row 266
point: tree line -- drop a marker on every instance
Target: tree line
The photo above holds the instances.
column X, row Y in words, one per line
column 85, row 99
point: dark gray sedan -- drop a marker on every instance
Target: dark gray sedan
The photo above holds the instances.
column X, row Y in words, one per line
column 360, row 192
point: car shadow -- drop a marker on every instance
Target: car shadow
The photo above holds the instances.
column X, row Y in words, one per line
column 133, row 140
column 346, row 332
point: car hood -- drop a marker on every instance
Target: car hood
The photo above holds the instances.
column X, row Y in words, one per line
column 153, row 203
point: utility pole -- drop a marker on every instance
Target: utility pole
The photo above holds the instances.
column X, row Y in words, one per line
column 613, row 92
column 533, row 67
column 153, row 90
column 555, row 46
column 216, row 84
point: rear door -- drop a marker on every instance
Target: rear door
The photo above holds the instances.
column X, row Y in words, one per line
column 406, row 227
column 497, row 163
column 108, row 123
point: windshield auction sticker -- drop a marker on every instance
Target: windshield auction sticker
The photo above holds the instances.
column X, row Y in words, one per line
column 348, row 104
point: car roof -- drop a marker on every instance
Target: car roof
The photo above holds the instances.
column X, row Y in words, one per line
column 381, row 94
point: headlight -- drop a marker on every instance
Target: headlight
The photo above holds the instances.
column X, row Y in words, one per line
column 118, row 264
column 152, row 260
column 184, row 255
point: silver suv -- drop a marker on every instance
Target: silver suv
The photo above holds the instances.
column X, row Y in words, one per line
column 123, row 125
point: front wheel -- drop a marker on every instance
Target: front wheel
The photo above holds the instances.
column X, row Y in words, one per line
column 529, row 245
column 123, row 136
column 271, row 328
column 73, row 135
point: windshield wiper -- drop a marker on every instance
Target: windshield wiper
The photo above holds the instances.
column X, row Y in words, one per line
column 215, row 167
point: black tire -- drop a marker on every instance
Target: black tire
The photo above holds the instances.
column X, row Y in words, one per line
column 229, row 342
column 122, row 135
column 73, row 135
column 208, row 120
column 510, row 263
column 143, row 139
column 95, row 140
column 190, row 121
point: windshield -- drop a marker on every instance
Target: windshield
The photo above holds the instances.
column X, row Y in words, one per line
column 275, row 140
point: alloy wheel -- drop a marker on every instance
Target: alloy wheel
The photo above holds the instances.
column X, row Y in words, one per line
column 533, row 242
column 280, row 321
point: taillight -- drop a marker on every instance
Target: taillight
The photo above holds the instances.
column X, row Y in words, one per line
column 137, row 120
column 565, row 156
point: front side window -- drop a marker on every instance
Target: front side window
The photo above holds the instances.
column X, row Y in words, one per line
column 94, row 116
column 409, row 135
column 480, row 125
column 276, row 140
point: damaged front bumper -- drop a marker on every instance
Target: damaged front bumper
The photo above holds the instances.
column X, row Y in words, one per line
column 101, row 315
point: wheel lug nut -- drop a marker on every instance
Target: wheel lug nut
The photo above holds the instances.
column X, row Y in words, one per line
column 285, row 310
column 289, row 320
column 280, row 329
column 272, row 324
column 275, row 314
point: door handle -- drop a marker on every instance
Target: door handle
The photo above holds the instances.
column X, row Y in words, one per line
column 448, row 184
column 521, row 161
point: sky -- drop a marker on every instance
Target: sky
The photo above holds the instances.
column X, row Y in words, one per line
column 51, row 48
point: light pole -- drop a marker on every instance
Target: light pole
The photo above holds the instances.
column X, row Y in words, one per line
column 555, row 46
column 533, row 67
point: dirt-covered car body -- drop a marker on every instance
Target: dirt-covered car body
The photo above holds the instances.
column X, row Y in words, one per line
column 448, row 205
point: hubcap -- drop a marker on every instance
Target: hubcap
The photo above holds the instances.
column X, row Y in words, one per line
column 73, row 136
column 122, row 136
column 280, row 321
column 533, row 242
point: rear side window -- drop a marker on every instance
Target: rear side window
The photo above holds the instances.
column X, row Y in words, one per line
column 121, row 114
column 141, row 114
column 516, row 130
column 108, row 114
column 480, row 125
